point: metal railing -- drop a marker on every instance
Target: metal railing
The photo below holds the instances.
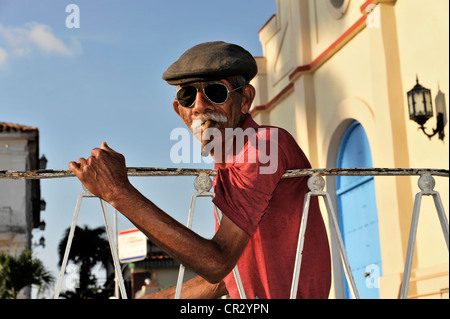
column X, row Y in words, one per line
column 316, row 184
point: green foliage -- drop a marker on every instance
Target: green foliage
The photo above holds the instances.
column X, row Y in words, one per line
column 22, row 271
column 89, row 248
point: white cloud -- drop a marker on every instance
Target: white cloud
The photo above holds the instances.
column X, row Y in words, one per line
column 3, row 57
column 42, row 36
column 23, row 40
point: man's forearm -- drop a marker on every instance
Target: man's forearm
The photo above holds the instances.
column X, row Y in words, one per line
column 196, row 288
column 199, row 254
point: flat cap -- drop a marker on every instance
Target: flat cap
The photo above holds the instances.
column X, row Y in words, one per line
column 211, row 61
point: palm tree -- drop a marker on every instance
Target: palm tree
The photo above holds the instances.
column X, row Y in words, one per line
column 19, row 272
column 89, row 248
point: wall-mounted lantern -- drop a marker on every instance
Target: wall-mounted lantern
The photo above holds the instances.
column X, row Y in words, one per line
column 42, row 204
column 42, row 225
column 43, row 162
column 421, row 109
column 40, row 243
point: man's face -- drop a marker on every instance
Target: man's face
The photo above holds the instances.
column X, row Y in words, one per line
column 226, row 115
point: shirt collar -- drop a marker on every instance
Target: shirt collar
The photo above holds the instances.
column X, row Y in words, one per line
column 249, row 122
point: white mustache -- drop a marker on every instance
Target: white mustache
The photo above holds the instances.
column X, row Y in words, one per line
column 216, row 117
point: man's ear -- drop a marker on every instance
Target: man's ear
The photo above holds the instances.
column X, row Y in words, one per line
column 248, row 95
column 175, row 107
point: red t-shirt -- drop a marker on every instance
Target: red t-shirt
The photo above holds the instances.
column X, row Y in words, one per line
column 269, row 209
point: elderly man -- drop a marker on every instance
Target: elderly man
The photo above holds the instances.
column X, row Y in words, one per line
column 261, row 211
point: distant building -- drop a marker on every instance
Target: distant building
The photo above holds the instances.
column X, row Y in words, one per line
column 335, row 74
column 20, row 200
column 156, row 271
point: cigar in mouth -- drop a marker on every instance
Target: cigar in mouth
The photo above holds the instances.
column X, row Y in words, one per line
column 205, row 126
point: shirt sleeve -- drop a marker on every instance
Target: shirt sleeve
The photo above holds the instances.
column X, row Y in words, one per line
column 243, row 190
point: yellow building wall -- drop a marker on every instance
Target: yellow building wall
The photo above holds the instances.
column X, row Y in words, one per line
column 366, row 78
column 423, row 32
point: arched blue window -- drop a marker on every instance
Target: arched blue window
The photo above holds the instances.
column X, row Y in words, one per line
column 358, row 216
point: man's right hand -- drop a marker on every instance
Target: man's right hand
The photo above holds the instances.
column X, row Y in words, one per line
column 104, row 173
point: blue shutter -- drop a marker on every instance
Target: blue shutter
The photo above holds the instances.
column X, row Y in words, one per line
column 358, row 215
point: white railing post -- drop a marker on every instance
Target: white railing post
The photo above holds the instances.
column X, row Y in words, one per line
column 203, row 184
column 316, row 184
column 68, row 245
column 426, row 184
column 111, row 240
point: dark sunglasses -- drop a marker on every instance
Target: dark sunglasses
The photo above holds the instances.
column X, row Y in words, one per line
column 217, row 93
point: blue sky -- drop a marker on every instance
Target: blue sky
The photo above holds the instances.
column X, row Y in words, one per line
column 102, row 82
